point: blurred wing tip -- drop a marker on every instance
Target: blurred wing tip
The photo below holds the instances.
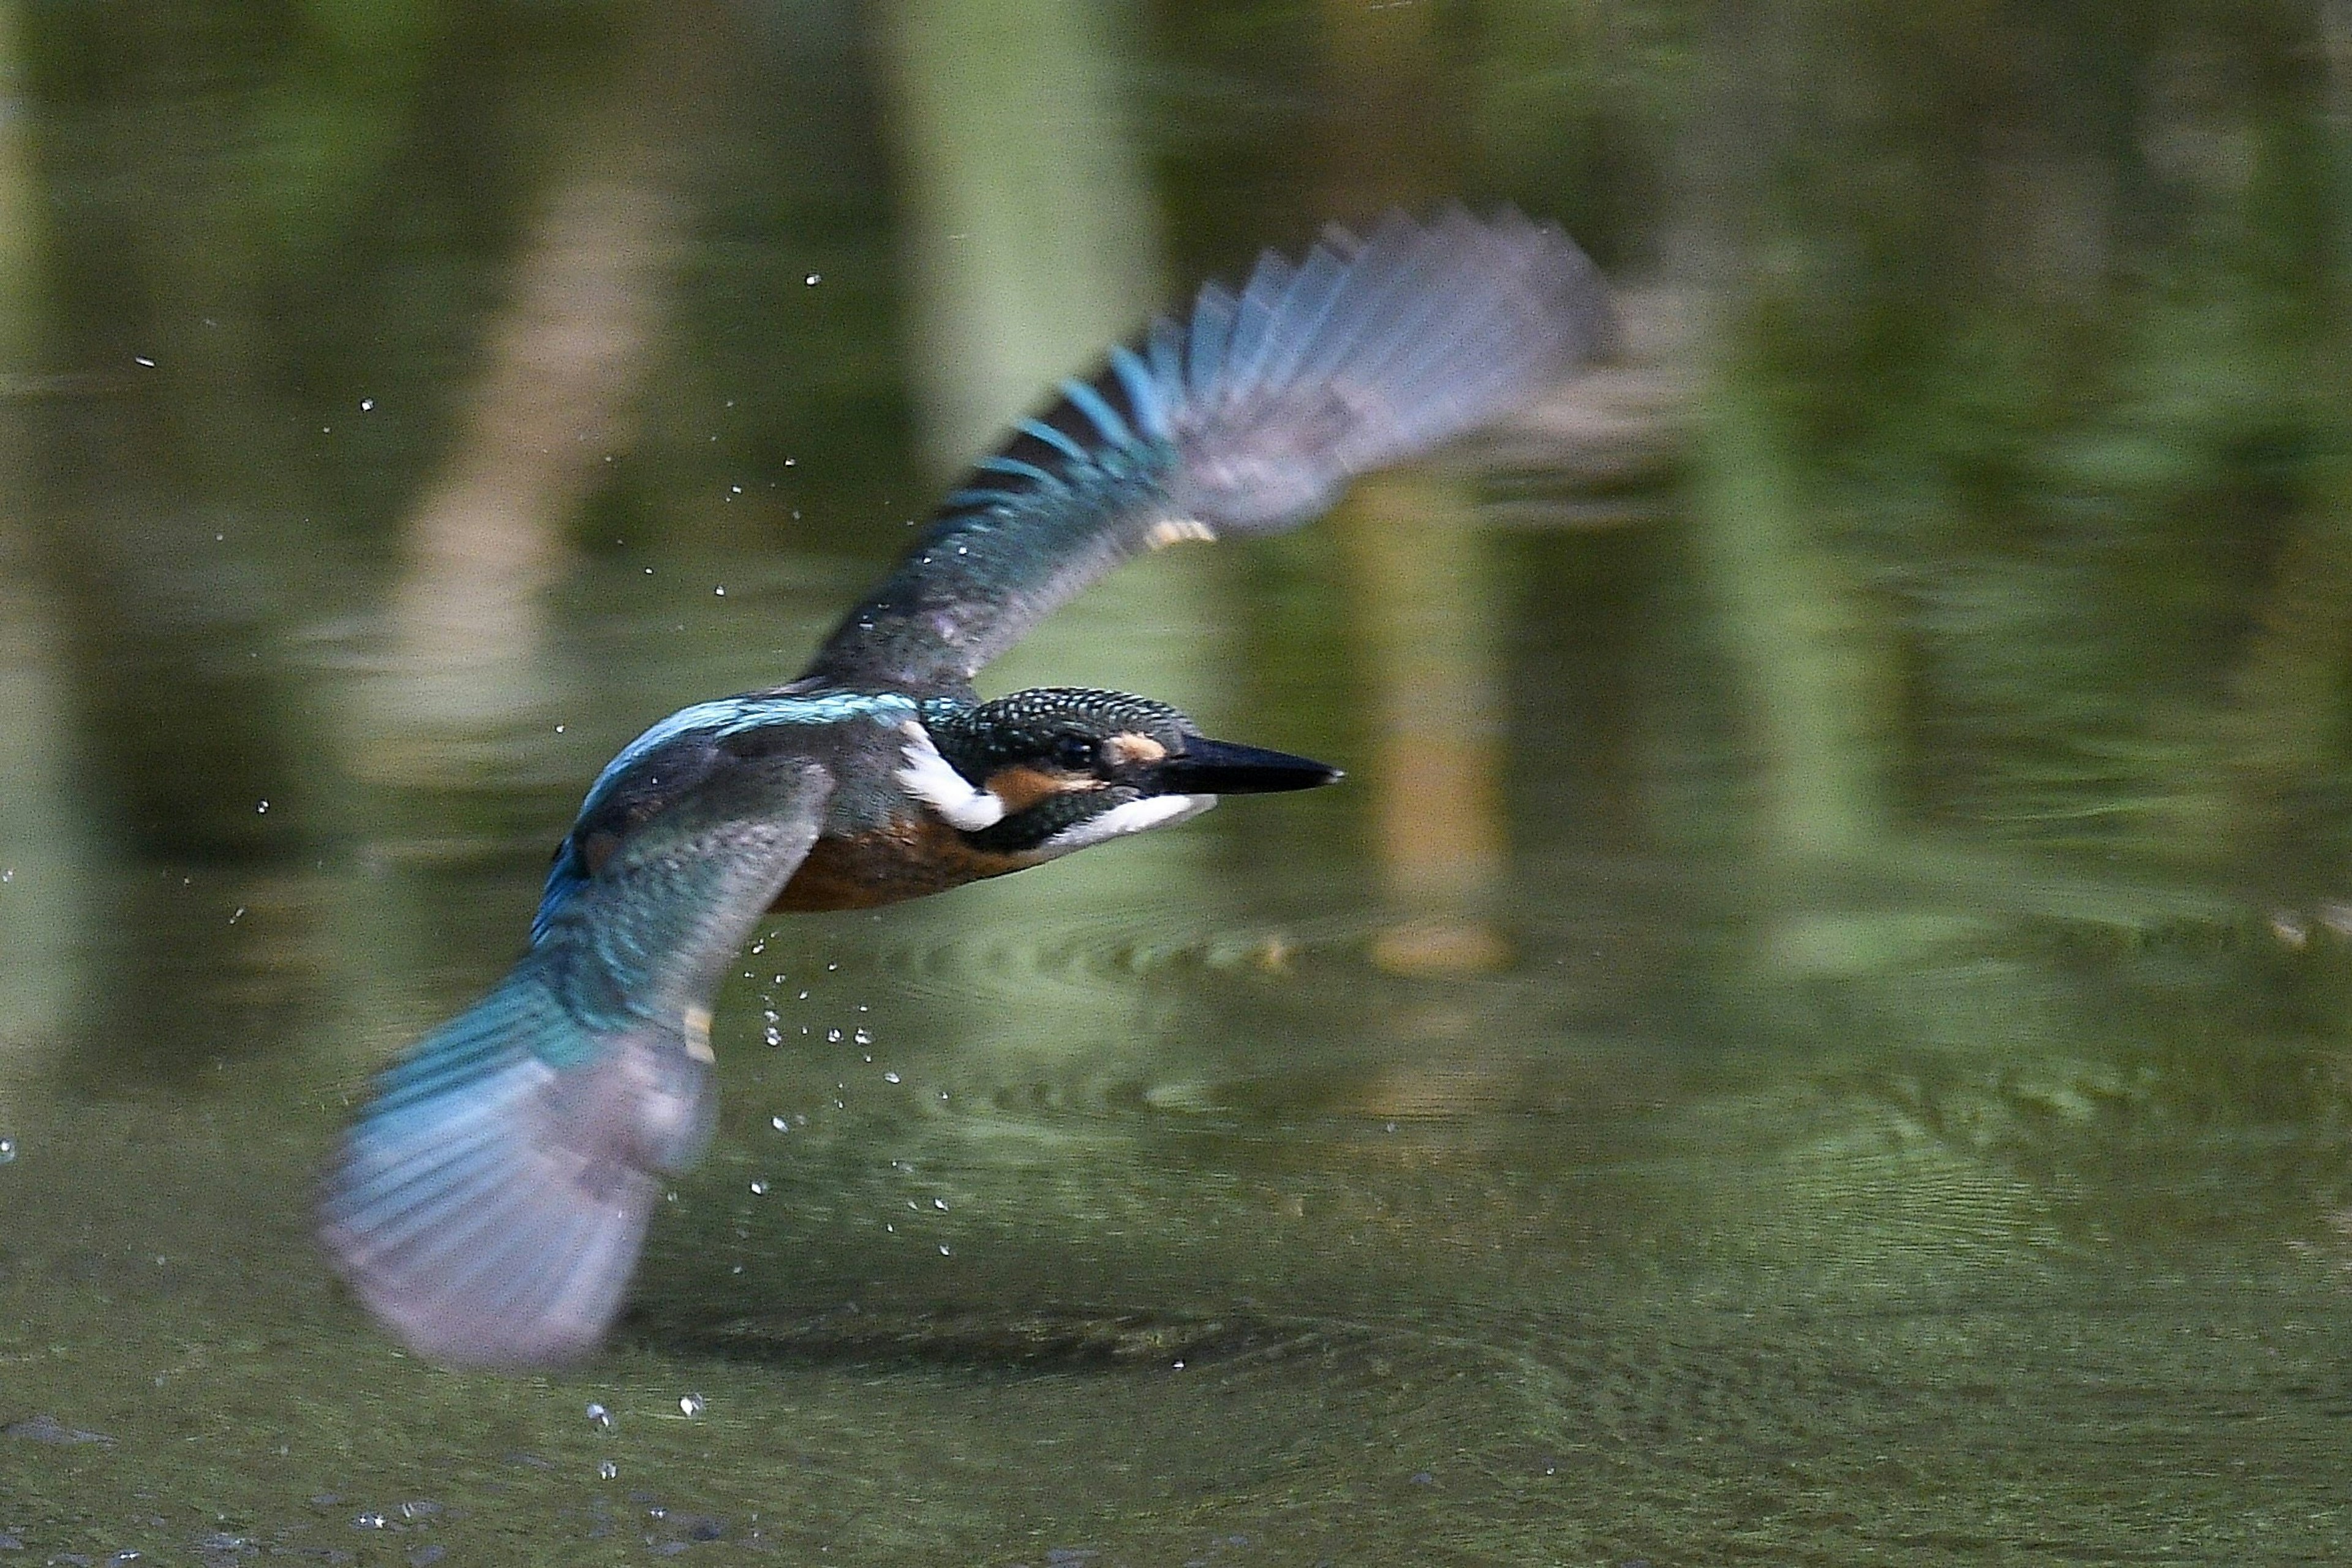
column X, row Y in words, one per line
column 510, row 1275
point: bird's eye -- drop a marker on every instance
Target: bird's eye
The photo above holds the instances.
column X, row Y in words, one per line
column 1073, row 752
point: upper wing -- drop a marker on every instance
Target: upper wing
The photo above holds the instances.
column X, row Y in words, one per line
column 489, row 1204
column 1249, row 418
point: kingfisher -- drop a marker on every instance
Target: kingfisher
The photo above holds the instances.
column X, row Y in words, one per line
column 489, row 1204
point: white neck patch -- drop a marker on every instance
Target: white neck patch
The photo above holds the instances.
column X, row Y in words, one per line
column 932, row 779
column 1153, row 810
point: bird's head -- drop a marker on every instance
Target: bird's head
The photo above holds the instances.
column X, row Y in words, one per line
column 1045, row 772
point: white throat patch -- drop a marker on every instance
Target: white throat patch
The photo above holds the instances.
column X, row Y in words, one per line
column 1153, row 810
column 932, row 779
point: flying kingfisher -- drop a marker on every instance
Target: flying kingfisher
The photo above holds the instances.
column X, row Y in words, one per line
column 489, row 1204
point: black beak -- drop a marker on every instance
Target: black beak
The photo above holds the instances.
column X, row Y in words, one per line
column 1219, row 767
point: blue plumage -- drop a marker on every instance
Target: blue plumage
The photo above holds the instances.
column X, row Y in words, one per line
column 489, row 1204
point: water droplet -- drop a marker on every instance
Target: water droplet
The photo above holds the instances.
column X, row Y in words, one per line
column 559, row 728
column 7, row 1150
column 144, row 360
column 833, row 1037
column 941, row 1205
column 599, row 1414
column 606, row 1469
column 889, row 1078
column 944, row 1250
column 691, row 1405
column 367, row 404
column 863, row 1037
column 780, row 1124
column 369, row 1522
column 759, row 1190
column 720, row 590
column 775, row 1036
column 258, row 810
column 813, row 279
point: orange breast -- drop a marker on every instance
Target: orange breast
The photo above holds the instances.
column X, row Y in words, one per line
column 889, row 864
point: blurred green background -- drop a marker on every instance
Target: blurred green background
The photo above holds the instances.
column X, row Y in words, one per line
column 1817, row 1029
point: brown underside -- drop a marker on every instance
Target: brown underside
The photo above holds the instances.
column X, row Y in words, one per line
column 890, row 864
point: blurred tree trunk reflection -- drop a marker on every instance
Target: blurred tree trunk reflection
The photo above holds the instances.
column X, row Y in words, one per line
column 1031, row 235
column 1419, row 573
column 556, row 401
column 44, row 848
column 1797, row 633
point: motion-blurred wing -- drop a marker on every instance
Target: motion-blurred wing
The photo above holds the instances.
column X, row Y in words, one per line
column 1249, row 418
column 489, row 1204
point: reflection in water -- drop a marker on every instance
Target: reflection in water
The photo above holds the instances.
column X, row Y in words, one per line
column 1029, row 236
column 555, row 405
column 1426, row 613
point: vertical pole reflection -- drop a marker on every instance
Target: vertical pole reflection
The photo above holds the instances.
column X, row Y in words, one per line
column 1798, row 637
column 42, row 836
column 1426, row 613
column 567, row 356
column 1031, row 236
column 1419, row 574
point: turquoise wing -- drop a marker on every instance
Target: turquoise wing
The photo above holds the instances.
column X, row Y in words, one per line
column 489, row 1204
column 1249, row 417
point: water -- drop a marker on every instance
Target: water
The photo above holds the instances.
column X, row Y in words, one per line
column 1813, row 1031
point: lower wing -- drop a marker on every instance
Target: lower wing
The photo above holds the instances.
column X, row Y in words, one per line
column 488, row 1206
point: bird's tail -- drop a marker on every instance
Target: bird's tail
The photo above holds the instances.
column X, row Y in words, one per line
column 489, row 1204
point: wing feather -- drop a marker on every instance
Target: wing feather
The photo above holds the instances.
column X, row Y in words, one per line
column 1249, row 417
column 490, row 1203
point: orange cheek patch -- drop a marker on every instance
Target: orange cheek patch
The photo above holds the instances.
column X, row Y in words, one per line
column 1021, row 787
column 1127, row 749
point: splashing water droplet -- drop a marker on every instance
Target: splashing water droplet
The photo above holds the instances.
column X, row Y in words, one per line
column 691, row 1405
